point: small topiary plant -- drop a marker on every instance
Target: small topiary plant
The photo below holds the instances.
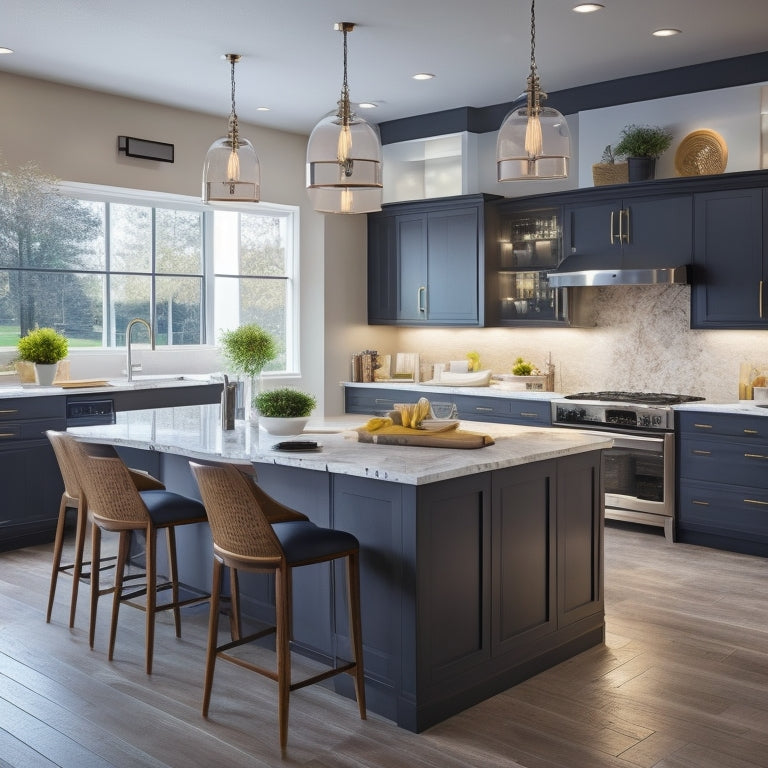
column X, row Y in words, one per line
column 284, row 403
column 43, row 345
column 248, row 349
column 643, row 141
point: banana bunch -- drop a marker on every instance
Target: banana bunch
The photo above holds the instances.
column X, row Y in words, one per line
column 474, row 361
column 413, row 414
column 378, row 422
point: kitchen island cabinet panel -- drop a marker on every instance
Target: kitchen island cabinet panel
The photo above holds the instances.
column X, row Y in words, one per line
column 723, row 481
column 729, row 260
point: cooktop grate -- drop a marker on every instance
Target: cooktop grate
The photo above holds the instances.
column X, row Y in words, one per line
column 640, row 398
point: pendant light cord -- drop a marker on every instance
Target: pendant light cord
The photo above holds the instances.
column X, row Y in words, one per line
column 233, row 128
column 533, row 38
column 344, row 107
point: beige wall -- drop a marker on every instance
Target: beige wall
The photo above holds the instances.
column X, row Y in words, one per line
column 72, row 133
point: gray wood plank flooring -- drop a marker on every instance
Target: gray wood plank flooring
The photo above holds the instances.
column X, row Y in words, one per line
column 681, row 682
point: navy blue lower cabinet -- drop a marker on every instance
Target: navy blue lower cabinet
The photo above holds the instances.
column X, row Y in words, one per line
column 723, row 481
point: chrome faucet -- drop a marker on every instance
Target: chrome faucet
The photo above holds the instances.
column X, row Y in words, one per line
column 128, row 330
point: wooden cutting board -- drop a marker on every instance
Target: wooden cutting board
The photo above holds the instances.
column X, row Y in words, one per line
column 78, row 383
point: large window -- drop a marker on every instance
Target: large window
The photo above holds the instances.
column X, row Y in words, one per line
column 91, row 259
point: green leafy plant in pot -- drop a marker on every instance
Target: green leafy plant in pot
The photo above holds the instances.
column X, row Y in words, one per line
column 248, row 349
column 44, row 347
column 642, row 145
column 284, row 411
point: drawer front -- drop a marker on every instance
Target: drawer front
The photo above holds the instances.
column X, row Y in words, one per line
column 33, row 429
column 39, row 407
column 730, row 462
column 728, row 425
column 482, row 408
column 531, row 412
column 717, row 509
column 376, row 402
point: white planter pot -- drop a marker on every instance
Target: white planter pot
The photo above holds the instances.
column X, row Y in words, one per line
column 277, row 426
column 46, row 373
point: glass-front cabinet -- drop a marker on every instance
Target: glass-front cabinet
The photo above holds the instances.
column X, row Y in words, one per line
column 529, row 248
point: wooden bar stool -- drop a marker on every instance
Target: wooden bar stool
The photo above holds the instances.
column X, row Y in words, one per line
column 244, row 539
column 73, row 498
column 114, row 504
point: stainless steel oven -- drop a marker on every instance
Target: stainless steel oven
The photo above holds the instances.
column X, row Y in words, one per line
column 639, row 470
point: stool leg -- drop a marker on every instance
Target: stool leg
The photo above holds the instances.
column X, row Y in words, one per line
column 213, row 633
column 283, row 649
column 122, row 557
column 58, row 545
column 355, row 628
column 95, row 585
column 151, row 594
column 236, row 619
column 170, row 539
column 77, row 569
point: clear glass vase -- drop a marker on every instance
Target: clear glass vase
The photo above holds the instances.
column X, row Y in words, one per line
column 251, row 386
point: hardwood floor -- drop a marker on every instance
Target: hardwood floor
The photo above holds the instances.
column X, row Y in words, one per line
column 681, row 682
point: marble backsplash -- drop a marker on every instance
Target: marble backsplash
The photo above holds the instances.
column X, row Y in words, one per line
column 641, row 341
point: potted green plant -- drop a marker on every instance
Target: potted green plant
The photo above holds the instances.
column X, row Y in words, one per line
column 608, row 171
column 247, row 350
column 284, row 411
column 44, row 347
column 642, row 145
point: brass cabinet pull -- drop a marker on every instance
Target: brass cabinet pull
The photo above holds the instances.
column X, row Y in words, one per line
column 379, row 401
column 754, row 456
column 703, row 426
column 10, row 410
column 612, row 235
column 421, row 306
column 702, row 453
column 756, row 501
column 700, row 503
column 751, row 432
column 8, row 434
column 622, row 234
column 483, row 409
column 760, row 298
column 529, row 415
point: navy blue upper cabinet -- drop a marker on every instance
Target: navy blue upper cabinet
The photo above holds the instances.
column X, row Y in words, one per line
column 630, row 232
column 426, row 262
column 729, row 260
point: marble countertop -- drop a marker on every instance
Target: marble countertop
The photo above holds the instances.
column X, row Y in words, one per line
column 490, row 391
column 113, row 385
column 195, row 432
column 742, row 407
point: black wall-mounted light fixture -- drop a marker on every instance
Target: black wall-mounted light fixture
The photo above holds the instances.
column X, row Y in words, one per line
column 146, row 149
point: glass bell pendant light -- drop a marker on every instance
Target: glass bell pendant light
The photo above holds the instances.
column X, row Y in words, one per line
column 344, row 156
column 534, row 141
column 231, row 172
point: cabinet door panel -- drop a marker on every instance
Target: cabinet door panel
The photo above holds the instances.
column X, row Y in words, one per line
column 728, row 260
column 412, row 267
column 588, row 235
column 382, row 269
column 660, row 232
column 452, row 267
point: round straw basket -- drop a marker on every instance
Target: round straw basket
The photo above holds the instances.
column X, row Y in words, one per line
column 701, row 153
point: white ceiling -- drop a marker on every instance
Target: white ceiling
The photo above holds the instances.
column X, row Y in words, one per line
column 168, row 51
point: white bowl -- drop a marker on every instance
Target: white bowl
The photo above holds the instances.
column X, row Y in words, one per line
column 278, row 426
column 760, row 393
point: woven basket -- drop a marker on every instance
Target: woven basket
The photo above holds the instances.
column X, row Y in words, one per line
column 701, row 153
column 609, row 173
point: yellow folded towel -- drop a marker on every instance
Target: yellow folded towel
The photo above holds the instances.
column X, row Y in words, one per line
column 378, row 431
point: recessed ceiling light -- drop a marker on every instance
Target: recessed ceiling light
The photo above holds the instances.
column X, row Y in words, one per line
column 367, row 105
column 263, row 109
column 423, row 76
column 5, row 50
column 667, row 32
column 588, row 7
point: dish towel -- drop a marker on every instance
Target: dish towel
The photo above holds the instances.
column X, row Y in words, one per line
column 383, row 431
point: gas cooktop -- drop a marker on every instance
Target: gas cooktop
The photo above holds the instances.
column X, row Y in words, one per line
column 640, row 398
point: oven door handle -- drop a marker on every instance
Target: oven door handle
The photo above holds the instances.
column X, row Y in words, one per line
column 623, row 440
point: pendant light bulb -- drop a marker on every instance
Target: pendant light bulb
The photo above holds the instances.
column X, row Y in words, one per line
column 533, row 141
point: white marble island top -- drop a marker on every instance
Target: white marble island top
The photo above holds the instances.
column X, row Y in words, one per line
column 195, row 431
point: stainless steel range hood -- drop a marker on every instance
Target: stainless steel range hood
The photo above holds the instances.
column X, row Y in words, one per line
column 565, row 277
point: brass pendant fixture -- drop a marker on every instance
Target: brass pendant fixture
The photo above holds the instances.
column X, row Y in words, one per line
column 534, row 141
column 344, row 156
column 231, row 172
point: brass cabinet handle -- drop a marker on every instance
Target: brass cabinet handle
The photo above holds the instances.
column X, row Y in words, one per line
column 421, row 306
column 8, row 434
column 703, row 426
column 10, row 410
column 378, row 401
column 751, row 432
column 760, row 298
column 622, row 234
column 529, row 415
column 483, row 409
column 754, row 456
column 613, row 236
column 700, row 503
column 700, row 452
column 756, row 501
